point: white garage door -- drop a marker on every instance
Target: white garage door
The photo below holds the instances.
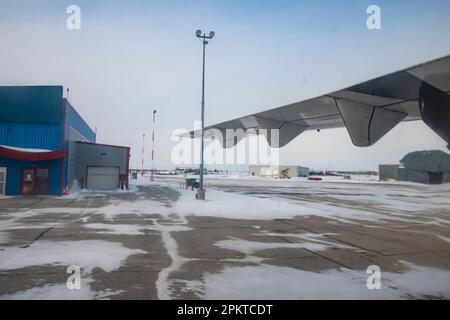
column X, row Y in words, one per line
column 103, row 178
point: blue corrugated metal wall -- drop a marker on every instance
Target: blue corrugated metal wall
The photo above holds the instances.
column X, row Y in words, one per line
column 74, row 120
column 14, row 171
column 30, row 135
column 32, row 117
column 31, row 104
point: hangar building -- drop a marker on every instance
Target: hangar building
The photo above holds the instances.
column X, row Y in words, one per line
column 45, row 145
column 428, row 167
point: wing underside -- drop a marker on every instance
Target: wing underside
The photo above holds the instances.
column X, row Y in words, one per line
column 368, row 110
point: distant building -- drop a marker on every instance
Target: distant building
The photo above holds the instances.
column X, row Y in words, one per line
column 278, row 171
column 388, row 171
column 428, row 167
column 45, row 145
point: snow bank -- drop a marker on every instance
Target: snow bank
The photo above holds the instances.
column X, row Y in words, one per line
column 232, row 205
column 238, row 206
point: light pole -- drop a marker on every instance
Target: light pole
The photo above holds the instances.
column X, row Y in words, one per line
column 201, row 191
column 143, row 153
column 153, row 146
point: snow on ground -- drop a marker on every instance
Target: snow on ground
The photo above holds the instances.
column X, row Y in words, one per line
column 54, row 292
column 251, row 282
column 231, row 205
column 239, row 206
column 348, row 178
column 403, row 202
column 246, row 176
column 163, row 283
column 119, row 207
column 403, row 196
column 312, row 242
column 77, row 193
column 87, row 254
column 61, row 292
column 266, row 282
column 104, row 228
column 444, row 238
column 11, row 221
column 143, row 206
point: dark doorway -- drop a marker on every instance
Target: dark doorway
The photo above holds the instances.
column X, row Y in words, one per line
column 35, row 181
column 436, row 177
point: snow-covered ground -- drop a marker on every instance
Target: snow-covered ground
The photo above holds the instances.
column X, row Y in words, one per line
column 264, row 198
column 272, row 282
column 399, row 202
column 369, row 204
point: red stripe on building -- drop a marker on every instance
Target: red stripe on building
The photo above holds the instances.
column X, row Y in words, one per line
column 31, row 156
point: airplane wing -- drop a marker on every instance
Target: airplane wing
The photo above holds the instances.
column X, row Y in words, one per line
column 368, row 110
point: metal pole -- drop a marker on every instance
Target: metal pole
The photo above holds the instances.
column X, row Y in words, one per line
column 143, row 153
column 201, row 191
column 153, row 146
column 203, row 117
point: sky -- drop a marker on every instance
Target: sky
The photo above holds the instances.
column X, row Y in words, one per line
column 131, row 57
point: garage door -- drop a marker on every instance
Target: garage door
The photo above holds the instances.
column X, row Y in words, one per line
column 103, row 178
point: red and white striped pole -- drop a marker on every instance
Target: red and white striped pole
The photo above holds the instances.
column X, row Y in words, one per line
column 153, row 146
column 143, row 153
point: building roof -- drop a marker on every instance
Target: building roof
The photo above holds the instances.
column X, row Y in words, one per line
column 102, row 144
column 429, row 161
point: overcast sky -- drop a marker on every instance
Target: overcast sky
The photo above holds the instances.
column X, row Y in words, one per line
column 133, row 56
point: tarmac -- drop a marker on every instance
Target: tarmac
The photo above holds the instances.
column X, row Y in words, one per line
column 174, row 251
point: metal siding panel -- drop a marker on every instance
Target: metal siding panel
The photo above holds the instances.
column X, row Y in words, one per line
column 31, row 104
column 303, row 171
column 30, row 135
column 65, row 174
column 83, row 155
column 71, row 163
column 446, row 178
column 431, row 161
column 413, row 176
column 30, row 116
column 74, row 120
column 55, row 172
column 388, row 171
